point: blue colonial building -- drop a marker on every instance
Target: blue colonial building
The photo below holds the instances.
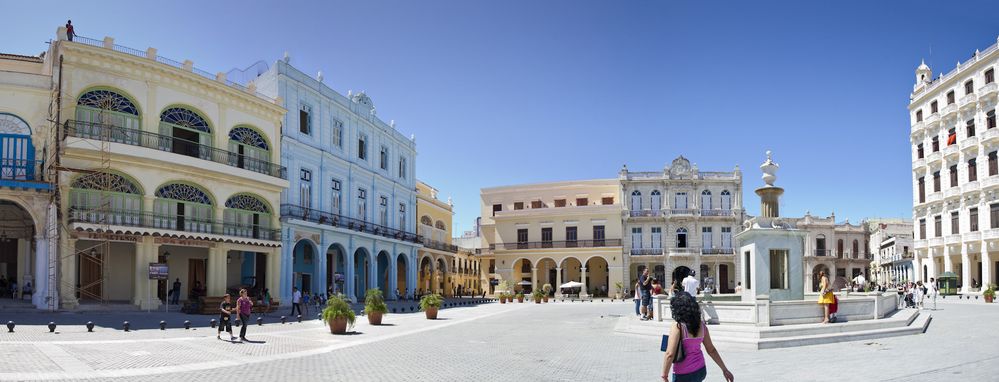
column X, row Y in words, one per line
column 348, row 216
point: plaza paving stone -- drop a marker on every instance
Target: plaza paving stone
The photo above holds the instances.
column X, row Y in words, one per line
column 493, row 342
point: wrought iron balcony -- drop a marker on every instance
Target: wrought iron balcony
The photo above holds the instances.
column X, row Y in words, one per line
column 718, row 251
column 171, row 222
column 645, row 213
column 559, row 244
column 716, row 212
column 684, row 251
column 432, row 244
column 646, row 251
column 134, row 137
column 682, row 212
column 821, row 252
column 336, row 220
column 22, row 173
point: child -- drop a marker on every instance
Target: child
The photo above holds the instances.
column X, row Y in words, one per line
column 305, row 303
column 225, row 309
column 833, row 308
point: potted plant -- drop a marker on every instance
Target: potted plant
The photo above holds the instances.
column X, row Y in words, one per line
column 520, row 297
column 502, row 298
column 338, row 314
column 619, row 286
column 990, row 293
column 538, row 294
column 547, row 288
column 374, row 306
column 429, row 304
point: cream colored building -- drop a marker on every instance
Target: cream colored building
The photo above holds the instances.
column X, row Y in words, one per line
column 162, row 163
column 443, row 266
column 553, row 233
column 839, row 249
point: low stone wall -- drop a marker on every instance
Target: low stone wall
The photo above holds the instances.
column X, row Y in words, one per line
column 763, row 312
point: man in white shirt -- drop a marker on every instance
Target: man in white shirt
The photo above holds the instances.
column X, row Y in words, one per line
column 296, row 301
column 690, row 284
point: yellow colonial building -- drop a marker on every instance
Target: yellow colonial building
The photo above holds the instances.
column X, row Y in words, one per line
column 443, row 267
column 161, row 162
column 553, row 233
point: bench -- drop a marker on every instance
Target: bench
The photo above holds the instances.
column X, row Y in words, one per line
column 210, row 305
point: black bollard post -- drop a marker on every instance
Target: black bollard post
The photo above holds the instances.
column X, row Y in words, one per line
column 90, row 326
column 299, row 318
column 162, row 325
column 10, row 326
column 187, row 324
column 284, row 319
column 213, row 323
column 52, row 327
column 239, row 322
column 125, row 325
column 260, row 321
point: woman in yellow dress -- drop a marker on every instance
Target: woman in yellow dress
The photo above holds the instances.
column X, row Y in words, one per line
column 825, row 296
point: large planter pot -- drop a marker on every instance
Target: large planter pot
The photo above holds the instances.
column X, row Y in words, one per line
column 375, row 318
column 546, row 299
column 431, row 313
column 502, row 300
column 617, row 296
column 988, row 299
column 520, row 299
column 537, row 301
column 338, row 325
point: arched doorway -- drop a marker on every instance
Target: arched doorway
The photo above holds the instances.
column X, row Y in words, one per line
column 547, row 274
column 384, row 263
column 426, row 276
column 17, row 229
column 598, row 276
column 361, row 267
column 303, row 265
column 816, row 278
column 443, row 286
column 336, row 268
column 402, row 288
column 571, row 271
column 704, row 275
column 522, row 272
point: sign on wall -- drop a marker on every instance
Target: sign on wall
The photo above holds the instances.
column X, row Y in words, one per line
column 158, row 271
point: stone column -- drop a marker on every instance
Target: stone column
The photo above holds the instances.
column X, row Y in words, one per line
column 286, row 271
column 965, row 270
column 584, row 291
column 917, row 270
column 70, row 275
column 393, row 278
column 349, row 275
column 41, row 279
column 534, row 278
column 321, row 279
column 274, row 273
column 948, row 263
column 986, row 267
column 931, row 267
column 216, row 272
column 558, row 281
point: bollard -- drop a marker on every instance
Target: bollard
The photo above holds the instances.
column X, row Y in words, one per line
column 260, row 321
column 299, row 318
column 162, row 325
column 187, row 324
column 284, row 320
column 10, row 326
column 125, row 325
column 90, row 326
column 52, row 327
column 239, row 322
column 213, row 323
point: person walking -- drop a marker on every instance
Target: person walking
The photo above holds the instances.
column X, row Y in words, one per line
column 243, row 306
column 917, row 295
column 825, row 296
column 932, row 290
column 70, row 33
column 645, row 282
column 690, row 284
column 690, row 332
column 638, row 299
column 296, row 301
column 225, row 315
column 175, row 292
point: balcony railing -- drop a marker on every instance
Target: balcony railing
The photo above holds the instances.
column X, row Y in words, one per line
column 645, row 213
column 22, row 173
column 718, row 251
column 559, row 244
column 100, row 131
column 171, row 222
column 432, row 244
column 821, row 252
column 682, row 211
column 716, row 212
column 646, row 251
column 336, row 220
column 684, row 251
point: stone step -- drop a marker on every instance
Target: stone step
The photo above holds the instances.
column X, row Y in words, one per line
column 899, row 319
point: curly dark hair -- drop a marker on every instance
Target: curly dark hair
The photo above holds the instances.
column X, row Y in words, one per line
column 686, row 311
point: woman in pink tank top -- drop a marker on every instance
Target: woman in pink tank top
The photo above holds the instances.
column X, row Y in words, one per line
column 694, row 333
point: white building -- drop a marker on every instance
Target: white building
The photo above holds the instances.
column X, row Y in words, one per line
column 682, row 217
column 955, row 170
column 891, row 244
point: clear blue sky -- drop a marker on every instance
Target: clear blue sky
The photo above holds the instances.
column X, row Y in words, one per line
column 508, row 92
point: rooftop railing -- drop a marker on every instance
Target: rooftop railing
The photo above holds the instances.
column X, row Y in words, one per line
column 559, row 244
column 337, row 220
column 134, row 137
column 163, row 60
column 171, row 222
column 953, row 72
column 433, row 244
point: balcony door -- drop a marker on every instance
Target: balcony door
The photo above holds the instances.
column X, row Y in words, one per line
column 17, row 154
column 249, row 149
column 183, row 207
column 636, row 200
column 185, row 132
column 680, row 201
column 656, row 201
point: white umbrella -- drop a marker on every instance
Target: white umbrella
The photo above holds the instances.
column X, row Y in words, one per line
column 525, row 282
column 572, row 284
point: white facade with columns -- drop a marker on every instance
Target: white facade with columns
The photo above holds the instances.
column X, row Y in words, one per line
column 955, row 171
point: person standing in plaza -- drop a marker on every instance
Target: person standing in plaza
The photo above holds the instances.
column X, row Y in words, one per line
column 690, row 284
column 638, row 299
column 175, row 292
column 917, row 295
column 932, row 290
column 645, row 284
column 243, row 306
column 825, row 296
column 689, row 332
column 225, row 315
column 296, row 301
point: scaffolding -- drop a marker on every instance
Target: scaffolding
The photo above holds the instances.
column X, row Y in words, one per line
column 91, row 260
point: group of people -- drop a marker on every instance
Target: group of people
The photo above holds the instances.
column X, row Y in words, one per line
column 917, row 294
column 648, row 286
column 243, row 307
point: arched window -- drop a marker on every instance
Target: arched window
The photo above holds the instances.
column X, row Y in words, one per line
column 856, row 248
column 705, row 200
column 250, row 149
column 726, row 200
column 182, row 207
column 247, row 216
column 190, row 132
column 442, row 230
column 636, row 200
column 102, row 108
column 124, row 197
column 681, row 238
column 17, row 153
column 426, row 220
column 820, row 245
column 839, row 247
column 657, row 201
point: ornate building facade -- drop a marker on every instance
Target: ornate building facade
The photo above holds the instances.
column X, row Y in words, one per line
column 349, row 214
column 682, row 217
column 955, row 171
column 445, row 268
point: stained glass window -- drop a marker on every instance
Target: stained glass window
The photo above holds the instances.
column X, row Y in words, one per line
column 183, row 192
column 247, row 136
column 185, row 118
column 115, row 183
column 108, row 100
column 246, row 202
